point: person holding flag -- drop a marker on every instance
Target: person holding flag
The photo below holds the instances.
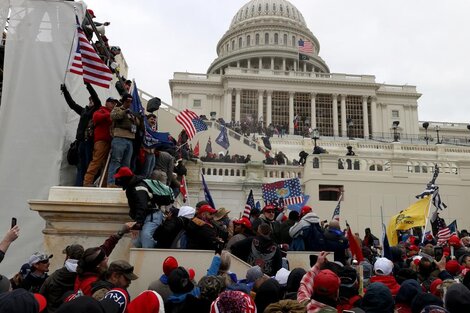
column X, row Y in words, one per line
column 124, row 133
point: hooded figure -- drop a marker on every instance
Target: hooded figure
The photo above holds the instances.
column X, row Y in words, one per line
column 422, row 300
column 408, row 290
column 378, row 299
column 21, row 301
column 457, row 298
column 269, row 292
column 293, row 283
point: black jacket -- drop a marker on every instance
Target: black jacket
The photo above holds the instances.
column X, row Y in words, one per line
column 86, row 113
column 336, row 242
column 138, row 198
column 56, row 286
column 260, row 251
column 168, row 230
column 201, row 235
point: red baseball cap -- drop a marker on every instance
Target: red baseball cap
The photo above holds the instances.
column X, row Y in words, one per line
column 169, row 265
column 413, row 248
column 326, row 283
column 243, row 221
column 268, row 207
column 207, row 208
column 306, row 209
column 123, row 172
column 454, row 241
column 42, row 302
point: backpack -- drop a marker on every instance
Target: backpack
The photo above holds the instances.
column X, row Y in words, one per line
column 181, row 241
column 314, row 238
column 72, row 154
column 161, row 193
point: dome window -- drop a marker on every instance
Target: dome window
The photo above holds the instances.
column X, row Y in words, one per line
column 288, row 11
column 248, row 40
column 267, row 8
column 259, row 8
column 293, row 41
column 246, row 12
column 233, row 45
column 257, row 39
column 239, row 42
column 253, row 10
column 266, row 39
column 276, row 38
column 281, row 9
column 274, row 7
column 284, row 41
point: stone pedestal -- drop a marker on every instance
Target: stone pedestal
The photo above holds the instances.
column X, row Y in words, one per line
column 86, row 216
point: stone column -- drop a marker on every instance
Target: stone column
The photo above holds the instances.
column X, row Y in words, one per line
column 335, row 115
column 260, row 104
column 249, row 63
column 283, row 64
column 344, row 129
column 305, row 66
column 228, row 105
column 373, row 113
column 260, row 63
column 269, row 107
column 272, row 63
column 295, row 66
column 291, row 112
column 313, row 114
column 365, row 117
column 238, row 63
column 237, row 104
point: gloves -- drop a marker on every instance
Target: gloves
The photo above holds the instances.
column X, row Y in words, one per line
column 63, row 88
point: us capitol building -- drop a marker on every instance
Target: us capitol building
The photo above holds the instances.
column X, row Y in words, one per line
column 257, row 75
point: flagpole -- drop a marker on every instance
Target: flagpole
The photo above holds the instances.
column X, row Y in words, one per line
column 427, row 218
column 383, row 230
column 71, row 47
column 187, row 191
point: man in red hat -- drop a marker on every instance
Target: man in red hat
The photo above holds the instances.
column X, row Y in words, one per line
column 201, row 234
column 268, row 215
column 241, row 229
column 141, row 207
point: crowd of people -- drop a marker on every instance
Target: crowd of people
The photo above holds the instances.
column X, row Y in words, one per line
column 417, row 275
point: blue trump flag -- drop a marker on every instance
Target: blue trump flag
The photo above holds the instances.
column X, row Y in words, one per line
column 222, row 139
column 207, row 193
column 151, row 138
column 298, row 206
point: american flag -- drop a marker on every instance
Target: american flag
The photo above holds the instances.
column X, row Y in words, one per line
column 191, row 122
column 87, row 63
column 250, row 204
column 337, row 211
column 305, row 47
column 443, row 235
column 289, row 190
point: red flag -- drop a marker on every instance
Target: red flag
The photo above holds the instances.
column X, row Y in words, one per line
column 183, row 189
column 354, row 246
column 196, row 149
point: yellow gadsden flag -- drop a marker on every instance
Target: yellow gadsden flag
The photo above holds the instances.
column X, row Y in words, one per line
column 413, row 216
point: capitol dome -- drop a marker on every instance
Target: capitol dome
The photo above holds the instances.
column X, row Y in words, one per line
column 264, row 34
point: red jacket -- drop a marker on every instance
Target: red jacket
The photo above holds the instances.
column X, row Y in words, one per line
column 102, row 124
column 388, row 281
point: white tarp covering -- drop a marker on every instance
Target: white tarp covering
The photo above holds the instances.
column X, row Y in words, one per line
column 36, row 125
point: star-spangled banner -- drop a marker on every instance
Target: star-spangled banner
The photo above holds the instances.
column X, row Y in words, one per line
column 289, row 190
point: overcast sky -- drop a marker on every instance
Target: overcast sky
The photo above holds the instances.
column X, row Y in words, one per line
column 425, row 43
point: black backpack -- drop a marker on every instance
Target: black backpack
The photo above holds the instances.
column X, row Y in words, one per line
column 314, row 238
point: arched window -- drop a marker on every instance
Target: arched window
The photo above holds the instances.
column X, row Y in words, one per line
column 293, row 41
column 233, row 44
column 288, row 12
column 239, row 42
column 259, row 8
column 276, row 38
column 226, row 47
column 285, row 40
column 257, row 39
column 266, row 39
column 267, row 7
column 274, row 7
column 248, row 40
column 281, row 9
